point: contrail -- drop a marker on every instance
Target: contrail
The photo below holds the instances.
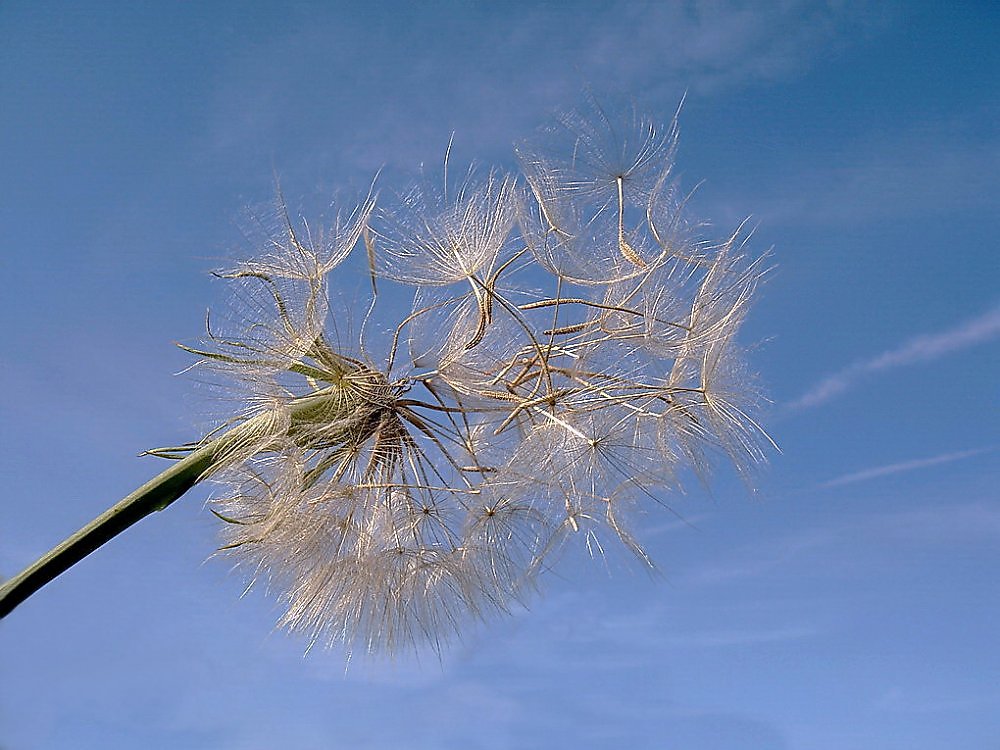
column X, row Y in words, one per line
column 902, row 466
column 920, row 349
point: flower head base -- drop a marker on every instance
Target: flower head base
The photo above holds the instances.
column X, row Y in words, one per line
column 570, row 351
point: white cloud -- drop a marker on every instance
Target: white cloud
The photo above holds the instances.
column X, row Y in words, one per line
column 919, row 349
column 707, row 46
column 944, row 523
column 901, row 467
column 757, row 560
column 366, row 98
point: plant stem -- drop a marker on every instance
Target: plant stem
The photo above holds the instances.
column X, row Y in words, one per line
column 156, row 494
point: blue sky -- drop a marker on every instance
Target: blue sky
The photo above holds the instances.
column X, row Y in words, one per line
column 851, row 603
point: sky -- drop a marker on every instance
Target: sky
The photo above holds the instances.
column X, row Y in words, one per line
column 851, row 602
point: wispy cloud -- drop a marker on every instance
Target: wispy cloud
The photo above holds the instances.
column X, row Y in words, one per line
column 759, row 559
column 898, row 700
column 494, row 73
column 903, row 466
column 934, row 167
column 920, row 349
column 943, row 523
column 741, row 637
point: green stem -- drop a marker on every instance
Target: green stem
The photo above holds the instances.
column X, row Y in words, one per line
column 156, row 494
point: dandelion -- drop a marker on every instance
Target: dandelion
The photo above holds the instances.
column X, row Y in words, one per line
column 570, row 355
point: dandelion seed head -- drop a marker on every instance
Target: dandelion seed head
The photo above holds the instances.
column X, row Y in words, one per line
column 569, row 357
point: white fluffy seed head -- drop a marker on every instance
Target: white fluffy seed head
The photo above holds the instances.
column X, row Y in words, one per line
column 570, row 356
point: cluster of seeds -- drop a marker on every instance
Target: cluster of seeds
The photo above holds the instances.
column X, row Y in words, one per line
column 569, row 356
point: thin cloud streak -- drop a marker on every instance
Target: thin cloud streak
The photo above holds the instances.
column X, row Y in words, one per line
column 903, row 466
column 920, row 349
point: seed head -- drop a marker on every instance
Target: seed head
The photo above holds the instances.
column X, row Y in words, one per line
column 570, row 355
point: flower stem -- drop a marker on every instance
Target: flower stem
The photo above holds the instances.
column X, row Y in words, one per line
column 156, row 494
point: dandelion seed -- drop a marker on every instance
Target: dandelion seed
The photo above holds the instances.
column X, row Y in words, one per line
column 592, row 175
